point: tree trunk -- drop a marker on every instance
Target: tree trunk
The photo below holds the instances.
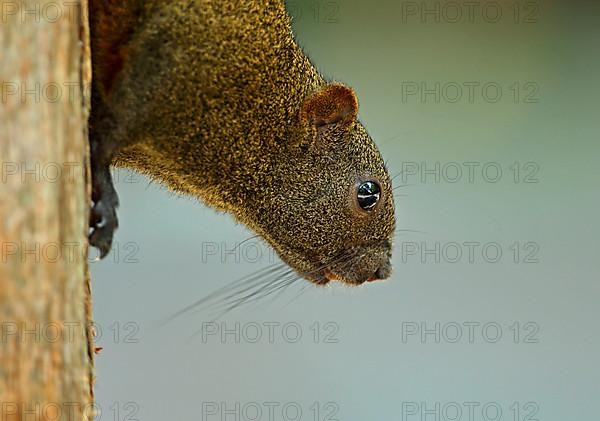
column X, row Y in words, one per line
column 46, row 353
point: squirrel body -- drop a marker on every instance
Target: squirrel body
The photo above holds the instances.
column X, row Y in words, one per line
column 217, row 100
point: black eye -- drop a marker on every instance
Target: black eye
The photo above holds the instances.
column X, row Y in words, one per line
column 368, row 194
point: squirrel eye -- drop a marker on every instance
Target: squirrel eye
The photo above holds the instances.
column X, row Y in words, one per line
column 368, row 195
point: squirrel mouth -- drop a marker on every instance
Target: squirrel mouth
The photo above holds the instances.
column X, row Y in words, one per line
column 327, row 275
column 321, row 272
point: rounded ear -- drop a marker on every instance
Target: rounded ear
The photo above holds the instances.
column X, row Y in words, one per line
column 330, row 105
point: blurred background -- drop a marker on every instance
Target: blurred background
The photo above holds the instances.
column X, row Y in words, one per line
column 487, row 113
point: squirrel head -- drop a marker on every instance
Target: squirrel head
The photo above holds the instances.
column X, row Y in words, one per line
column 328, row 209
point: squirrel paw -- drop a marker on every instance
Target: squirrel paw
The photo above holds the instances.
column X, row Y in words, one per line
column 103, row 221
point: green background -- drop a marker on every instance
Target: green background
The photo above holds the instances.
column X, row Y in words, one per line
column 159, row 266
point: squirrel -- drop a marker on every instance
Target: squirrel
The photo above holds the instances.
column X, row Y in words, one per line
column 215, row 99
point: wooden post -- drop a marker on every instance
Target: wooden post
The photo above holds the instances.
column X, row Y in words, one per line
column 46, row 354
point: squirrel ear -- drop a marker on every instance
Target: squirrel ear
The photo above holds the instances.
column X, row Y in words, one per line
column 332, row 104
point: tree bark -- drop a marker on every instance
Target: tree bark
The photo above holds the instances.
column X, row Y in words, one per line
column 46, row 351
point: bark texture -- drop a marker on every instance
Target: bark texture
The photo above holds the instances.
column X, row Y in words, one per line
column 46, row 353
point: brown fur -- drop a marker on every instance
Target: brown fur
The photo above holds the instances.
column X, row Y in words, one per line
column 112, row 24
column 227, row 108
column 334, row 103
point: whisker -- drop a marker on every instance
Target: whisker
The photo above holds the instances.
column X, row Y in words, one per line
column 276, row 294
column 240, row 296
column 272, row 280
column 274, row 274
column 253, row 277
column 272, row 286
column 225, row 311
column 394, row 177
column 235, row 300
column 247, row 239
column 389, row 139
column 300, row 293
column 277, row 282
column 404, row 231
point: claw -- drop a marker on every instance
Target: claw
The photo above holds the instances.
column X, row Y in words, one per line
column 103, row 215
